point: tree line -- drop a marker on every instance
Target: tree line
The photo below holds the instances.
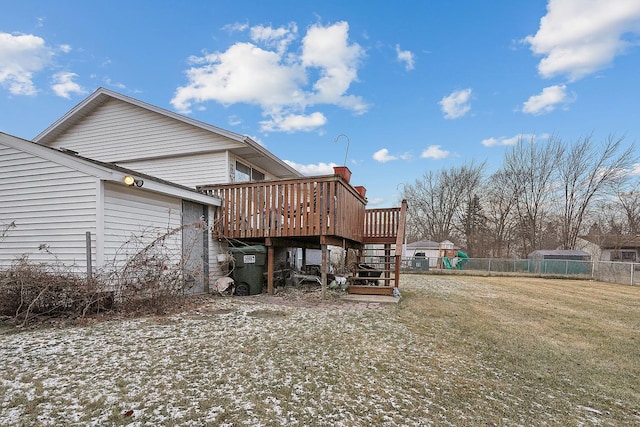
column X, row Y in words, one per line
column 545, row 195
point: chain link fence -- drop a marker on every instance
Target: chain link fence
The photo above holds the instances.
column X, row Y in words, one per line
column 625, row 273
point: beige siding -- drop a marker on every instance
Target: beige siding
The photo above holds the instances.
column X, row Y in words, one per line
column 53, row 206
column 119, row 131
column 133, row 218
column 190, row 171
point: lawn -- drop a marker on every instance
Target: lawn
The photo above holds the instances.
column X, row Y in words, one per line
column 455, row 351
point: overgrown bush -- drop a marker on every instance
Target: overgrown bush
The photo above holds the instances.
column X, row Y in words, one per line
column 31, row 290
column 149, row 277
column 154, row 275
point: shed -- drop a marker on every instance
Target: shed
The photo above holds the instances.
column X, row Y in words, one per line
column 561, row 254
column 559, row 261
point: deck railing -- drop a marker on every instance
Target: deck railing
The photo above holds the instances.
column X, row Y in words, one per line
column 302, row 207
column 381, row 225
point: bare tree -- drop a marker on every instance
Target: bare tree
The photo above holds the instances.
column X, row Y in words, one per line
column 499, row 211
column 586, row 172
column 438, row 201
column 629, row 201
column 529, row 168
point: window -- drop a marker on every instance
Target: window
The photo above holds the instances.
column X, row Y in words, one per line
column 628, row 256
column 624, row 256
column 246, row 173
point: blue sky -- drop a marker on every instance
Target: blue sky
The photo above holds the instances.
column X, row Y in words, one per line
column 412, row 85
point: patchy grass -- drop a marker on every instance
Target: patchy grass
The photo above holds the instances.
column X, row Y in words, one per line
column 455, row 351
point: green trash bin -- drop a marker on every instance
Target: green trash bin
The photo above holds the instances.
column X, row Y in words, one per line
column 248, row 269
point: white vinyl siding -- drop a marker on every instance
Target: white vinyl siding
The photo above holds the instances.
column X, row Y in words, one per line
column 119, row 131
column 215, row 269
column 190, row 171
column 53, row 206
column 133, row 218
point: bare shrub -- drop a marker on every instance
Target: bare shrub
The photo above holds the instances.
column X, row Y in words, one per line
column 150, row 277
column 154, row 275
column 30, row 290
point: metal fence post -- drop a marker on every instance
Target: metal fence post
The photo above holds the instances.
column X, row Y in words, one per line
column 88, row 245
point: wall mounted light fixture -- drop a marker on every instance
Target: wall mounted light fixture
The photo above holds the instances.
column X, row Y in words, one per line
column 131, row 181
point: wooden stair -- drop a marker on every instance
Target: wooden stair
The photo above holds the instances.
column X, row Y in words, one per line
column 378, row 263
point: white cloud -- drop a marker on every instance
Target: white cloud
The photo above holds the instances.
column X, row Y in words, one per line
column 383, row 156
column 270, row 73
column 328, row 50
column 65, row 48
column 244, row 73
column 546, row 101
column 405, row 56
column 234, row 120
column 21, row 56
column 577, row 38
column 279, row 38
column 508, row 141
column 109, row 82
column 636, row 169
column 456, row 105
column 435, row 152
column 310, row 170
column 237, row 26
column 63, row 85
column 294, row 122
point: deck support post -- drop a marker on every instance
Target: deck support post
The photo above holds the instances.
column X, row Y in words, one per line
column 387, row 262
column 304, row 260
column 270, row 270
column 323, row 270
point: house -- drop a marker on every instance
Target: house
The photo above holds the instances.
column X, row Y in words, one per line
column 110, row 127
column 611, row 247
column 125, row 132
column 58, row 206
column 246, row 194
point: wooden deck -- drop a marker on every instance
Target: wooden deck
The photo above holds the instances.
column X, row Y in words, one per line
column 306, row 207
column 305, row 212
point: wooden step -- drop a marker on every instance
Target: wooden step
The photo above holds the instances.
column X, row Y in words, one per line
column 370, row 290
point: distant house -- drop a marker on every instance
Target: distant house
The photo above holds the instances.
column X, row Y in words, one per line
column 611, row 247
column 424, row 249
column 50, row 199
